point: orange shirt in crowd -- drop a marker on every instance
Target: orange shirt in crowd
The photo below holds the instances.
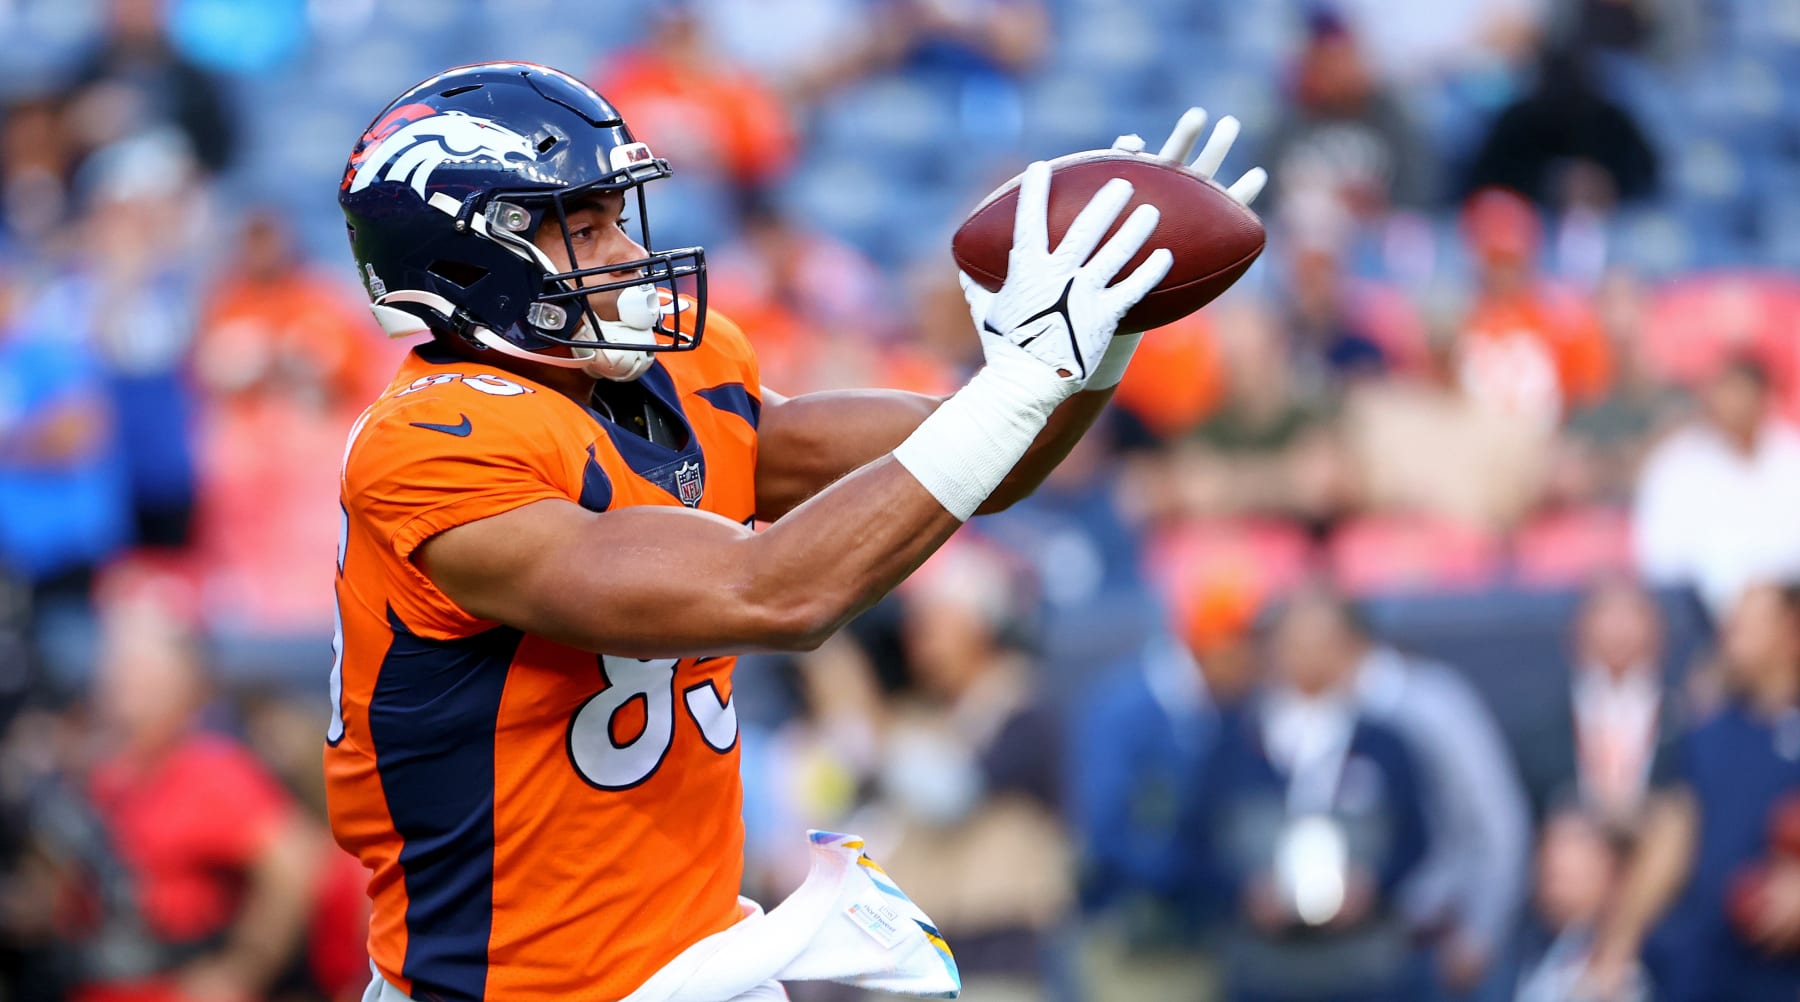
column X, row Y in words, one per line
column 717, row 114
column 1561, row 329
column 1176, row 379
column 284, row 368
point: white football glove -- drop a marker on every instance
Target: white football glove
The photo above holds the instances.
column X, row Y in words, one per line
column 1055, row 313
column 1181, row 143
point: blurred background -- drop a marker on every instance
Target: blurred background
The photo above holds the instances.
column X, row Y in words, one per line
column 1422, row 623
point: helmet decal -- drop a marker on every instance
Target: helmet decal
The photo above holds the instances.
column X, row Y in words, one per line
column 496, row 152
column 413, row 151
column 622, row 157
column 383, row 128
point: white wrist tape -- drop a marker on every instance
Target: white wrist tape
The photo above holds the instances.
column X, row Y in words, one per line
column 1111, row 367
column 972, row 441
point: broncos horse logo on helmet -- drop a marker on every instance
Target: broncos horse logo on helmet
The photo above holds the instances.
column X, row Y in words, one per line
column 445, row 188
column 411, row 152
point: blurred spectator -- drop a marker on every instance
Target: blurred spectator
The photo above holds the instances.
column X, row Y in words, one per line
column 1606, row 439
column 274, row 328
column 817, row 769
column 1002, row 36
column 128, row 294
column 1267, row 447
column 1529, row 348
column 1305, row 824
column 1716, row 501
column 194, row 865
column 1142, row 741
column 65, row 505
column 692, row 106
column 1602, row 746
column 1345, row 330
column 282, row 354
column 1343, row 131
column 282, row 729
column 976, row 51
column 1725, row 931
column 939, row 319
column 134, row 81
column 971, row 772
column 1431, row 447
column 1698, row 322
column 793, row 44
column 1466, row 894
column 1084, row 551
column 1577, row 880
column 1179, row 384
column 1263, row 412
column 1416, row 42
column 1565, row 145
column 36, row 161
column 817, row 308
column 1138, row 742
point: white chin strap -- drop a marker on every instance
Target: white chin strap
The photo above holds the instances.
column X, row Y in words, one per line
column 639, row 310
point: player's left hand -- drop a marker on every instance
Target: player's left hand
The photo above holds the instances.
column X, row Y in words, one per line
column 1058, row 308
column 1180, row 145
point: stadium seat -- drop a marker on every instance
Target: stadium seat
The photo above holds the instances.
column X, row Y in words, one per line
column 1695, row 322
column 1572, row 548
column 1268, row 556
column 1383, row 554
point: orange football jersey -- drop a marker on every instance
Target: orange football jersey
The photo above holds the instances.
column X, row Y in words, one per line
column 539, row 822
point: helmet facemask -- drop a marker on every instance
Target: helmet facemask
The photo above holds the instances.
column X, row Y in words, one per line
column 650, row 304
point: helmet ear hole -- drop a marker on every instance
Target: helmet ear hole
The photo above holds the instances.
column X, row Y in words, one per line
column 458, row 273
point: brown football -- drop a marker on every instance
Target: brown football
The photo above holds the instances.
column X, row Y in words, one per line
column 1213, row 238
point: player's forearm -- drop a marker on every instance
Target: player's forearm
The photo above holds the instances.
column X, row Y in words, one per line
column 1656, row 874
column 1067, row 424
column 840, row 552
column 810, row 441
column 273, row 915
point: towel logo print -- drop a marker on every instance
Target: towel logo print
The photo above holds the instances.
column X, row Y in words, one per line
column 880, row 920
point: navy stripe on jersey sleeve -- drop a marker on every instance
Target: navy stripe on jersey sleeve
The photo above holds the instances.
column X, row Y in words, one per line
column 735, row 398
column 596, row 486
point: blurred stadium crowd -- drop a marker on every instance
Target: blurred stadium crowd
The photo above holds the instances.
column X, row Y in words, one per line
column 1423, row 624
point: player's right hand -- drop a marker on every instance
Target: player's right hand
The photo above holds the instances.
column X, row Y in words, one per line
column 1054, row 314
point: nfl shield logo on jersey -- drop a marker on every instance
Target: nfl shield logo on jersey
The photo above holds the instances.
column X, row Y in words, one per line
column 688, row 485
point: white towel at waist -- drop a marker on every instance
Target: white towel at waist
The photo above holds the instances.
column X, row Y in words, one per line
column 847, row 922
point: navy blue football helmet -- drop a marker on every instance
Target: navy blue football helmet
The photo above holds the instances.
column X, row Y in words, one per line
column 446, row 188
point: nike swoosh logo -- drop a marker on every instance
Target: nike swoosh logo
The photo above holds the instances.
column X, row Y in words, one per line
column 459, row 430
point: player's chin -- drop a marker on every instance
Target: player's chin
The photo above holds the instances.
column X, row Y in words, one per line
column 605, row 304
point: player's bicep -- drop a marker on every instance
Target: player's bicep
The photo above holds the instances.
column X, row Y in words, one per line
column 806, row 443
column 640, row 582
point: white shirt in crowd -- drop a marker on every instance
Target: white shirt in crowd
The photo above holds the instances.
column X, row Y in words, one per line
column 1716, row 518
column 1616, row 722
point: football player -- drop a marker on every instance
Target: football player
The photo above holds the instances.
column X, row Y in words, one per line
column 547, row 563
